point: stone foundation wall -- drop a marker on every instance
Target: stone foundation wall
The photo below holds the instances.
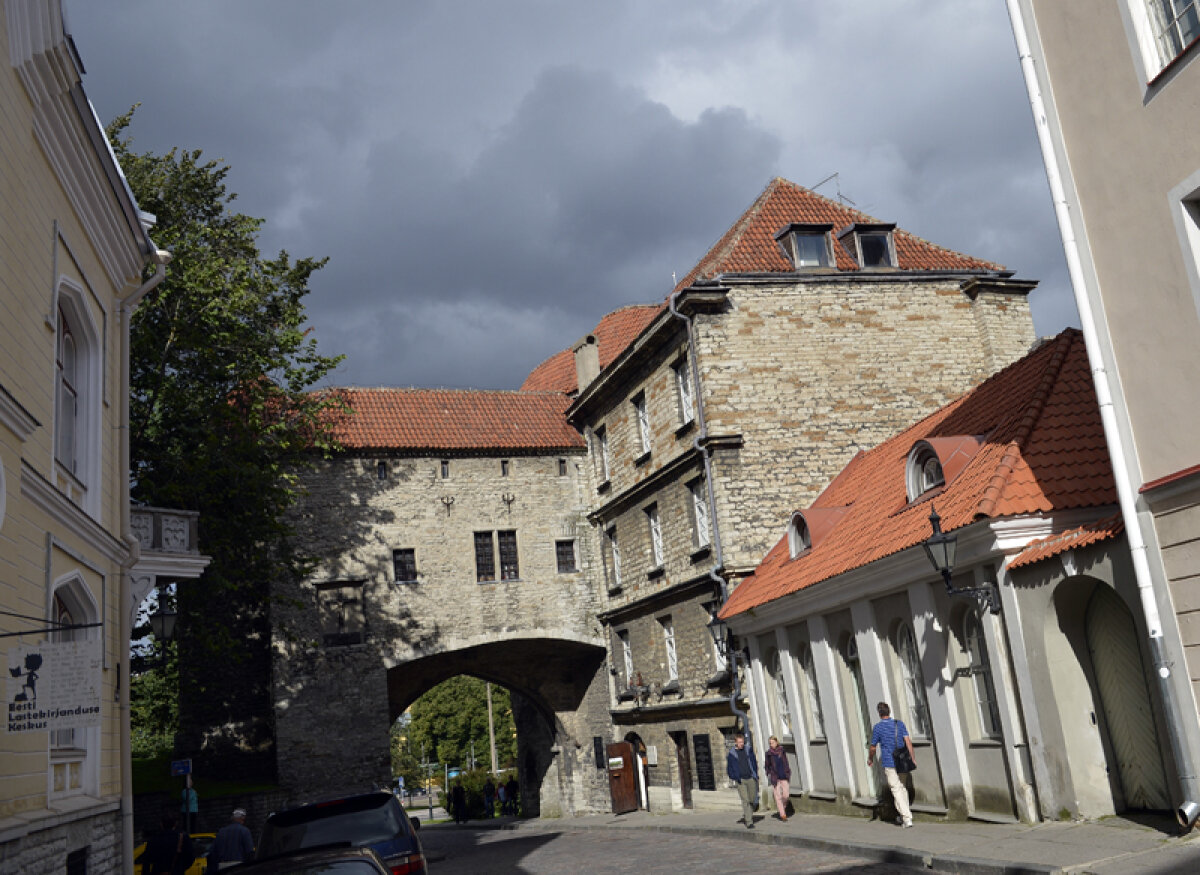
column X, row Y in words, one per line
column 95, row 837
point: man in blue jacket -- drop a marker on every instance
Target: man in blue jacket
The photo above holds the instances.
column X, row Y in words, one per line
column 743, row 771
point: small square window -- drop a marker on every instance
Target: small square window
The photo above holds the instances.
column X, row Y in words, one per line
column 806, row 245
column 564, row 554
column 504, row 467
column 562, row 467
column 404, row 564
column 445, row 468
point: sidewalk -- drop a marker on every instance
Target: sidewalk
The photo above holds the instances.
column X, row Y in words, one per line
column 1113, row 845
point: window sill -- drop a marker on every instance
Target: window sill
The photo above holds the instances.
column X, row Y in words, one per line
column 655, row 572
column 502, row 580
column 627, row 695
column 701, row 553
column 720, row 679
column 604, row 486
column 673, row 688
column 642, row 459
column 568, row 571
column 615, row 590
column 412, row 582
column 685, row 429
column 986, row 742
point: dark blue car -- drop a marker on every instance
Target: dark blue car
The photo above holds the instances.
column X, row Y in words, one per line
column 374, row 820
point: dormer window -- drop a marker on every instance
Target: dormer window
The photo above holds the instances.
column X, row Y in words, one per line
column 807, row 245
column 924, row 471
column 799, row 539
column 872, row 245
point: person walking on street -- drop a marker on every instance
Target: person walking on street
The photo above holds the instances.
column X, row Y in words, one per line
column 886, row 736
column 189, row 807
column 779, row 774
column 489, row 798
column 743, row 771
column 233, row 843
column 458, row 797
column 170, row 852
column 502, row 794
column 512, row 789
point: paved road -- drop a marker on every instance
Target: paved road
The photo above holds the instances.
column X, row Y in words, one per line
column 471, row 850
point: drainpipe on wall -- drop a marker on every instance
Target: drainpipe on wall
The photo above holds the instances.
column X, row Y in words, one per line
column 700, row 443
column 128, row 305
column 1120, row 455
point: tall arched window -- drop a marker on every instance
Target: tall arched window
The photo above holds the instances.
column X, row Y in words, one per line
column 813, row 693
column 981, row 676
column 67, row 392
column 914, row 684
column 780, row 710
column 72, row 758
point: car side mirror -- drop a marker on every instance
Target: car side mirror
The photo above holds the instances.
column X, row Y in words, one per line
column 416, row 824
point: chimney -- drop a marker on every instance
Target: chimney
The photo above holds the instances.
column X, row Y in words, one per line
column 587, row 361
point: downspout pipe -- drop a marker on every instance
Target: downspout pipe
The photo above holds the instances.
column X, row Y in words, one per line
column 128, row 304
column 700, row 443
column 1120, row 455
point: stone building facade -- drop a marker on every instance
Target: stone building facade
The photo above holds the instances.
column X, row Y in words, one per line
column 734, row 406
column 443, row 550
column 689, row 431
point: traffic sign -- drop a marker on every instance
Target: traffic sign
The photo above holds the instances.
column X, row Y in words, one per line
column 179, row 768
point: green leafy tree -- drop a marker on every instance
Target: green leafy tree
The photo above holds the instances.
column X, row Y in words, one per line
column 453, row 714
column 154, row 707
column 222, row 418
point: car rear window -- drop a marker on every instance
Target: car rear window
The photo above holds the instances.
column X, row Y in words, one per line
column 359, row 821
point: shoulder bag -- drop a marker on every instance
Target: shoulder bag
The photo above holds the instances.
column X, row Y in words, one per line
column 900, row 756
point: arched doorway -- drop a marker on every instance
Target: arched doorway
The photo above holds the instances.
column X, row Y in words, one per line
column 641, row 770
column 858, row 715
column 1131, row 738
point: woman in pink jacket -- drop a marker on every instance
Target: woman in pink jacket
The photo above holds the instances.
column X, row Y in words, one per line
column 779, row 773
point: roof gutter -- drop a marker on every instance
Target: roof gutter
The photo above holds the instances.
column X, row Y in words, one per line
column 703, row 447
column 1123, row 454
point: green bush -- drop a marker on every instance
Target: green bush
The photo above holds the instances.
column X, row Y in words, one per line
column 472, row 783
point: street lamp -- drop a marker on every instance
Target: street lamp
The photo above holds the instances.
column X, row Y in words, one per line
column 720, row 636
column 162, row 621
column 942, row 551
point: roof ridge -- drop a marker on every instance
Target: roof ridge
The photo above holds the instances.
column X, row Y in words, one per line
column 428, row 389
column 1024, row 427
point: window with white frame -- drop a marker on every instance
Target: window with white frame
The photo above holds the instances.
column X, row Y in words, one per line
column 1176, row 25
column 601, row 451
column 656, row 537
column 683, row 388
column 642, row 415
column 668, row 633
column 799, row 539
column 923, row 470
column 71, row 773
column 614, row 556
column 626, row 655
column 988, row 712
column 718, row 656
column 782, row 713
column 812, row 692
column 77, row 390
column 872, row 245
column 914, row 685
column 67, row 370
column 701, row 536
column 807, row 246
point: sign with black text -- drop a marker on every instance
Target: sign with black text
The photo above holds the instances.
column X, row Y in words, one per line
column 54, row 685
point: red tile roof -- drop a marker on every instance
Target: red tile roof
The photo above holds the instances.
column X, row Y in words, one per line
column 453, row 419
column 1043, row 450
column 614, row 332
column 1092, row 533
column 750, row 246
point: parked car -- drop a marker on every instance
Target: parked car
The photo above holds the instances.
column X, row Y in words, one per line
column 201, row 842
column 374, row 820
column 341, row 860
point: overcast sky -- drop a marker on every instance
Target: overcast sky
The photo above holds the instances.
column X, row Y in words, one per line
column 489, row 178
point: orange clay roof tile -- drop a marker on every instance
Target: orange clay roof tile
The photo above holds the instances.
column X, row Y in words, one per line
column 749, row 246
column 1092, row 533
column 614, row 332
column 453, row 419
column 1043, row 450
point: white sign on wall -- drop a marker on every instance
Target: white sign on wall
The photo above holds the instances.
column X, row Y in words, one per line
column 55, row 685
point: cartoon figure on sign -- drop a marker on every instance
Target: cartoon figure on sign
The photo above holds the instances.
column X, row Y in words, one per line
column 33, row 661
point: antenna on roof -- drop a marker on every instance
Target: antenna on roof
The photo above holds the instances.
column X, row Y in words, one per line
column 842, row 199
column 674, row 282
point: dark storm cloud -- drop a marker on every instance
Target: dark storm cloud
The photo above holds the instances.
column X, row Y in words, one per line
column 488, row 179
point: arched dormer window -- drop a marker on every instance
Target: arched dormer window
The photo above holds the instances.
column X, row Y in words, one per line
column 924, row 470
column 799, row 539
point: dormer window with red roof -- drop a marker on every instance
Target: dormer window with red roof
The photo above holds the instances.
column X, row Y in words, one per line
column 924, row 470
column 807, row 245
column 799, row 539
column 872, row 245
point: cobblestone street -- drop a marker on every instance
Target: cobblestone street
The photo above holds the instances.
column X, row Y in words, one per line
column 541, row 851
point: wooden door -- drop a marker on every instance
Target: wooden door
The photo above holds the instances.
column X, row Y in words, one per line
column 1128, row 717
column 684, row 761
column 622, row 782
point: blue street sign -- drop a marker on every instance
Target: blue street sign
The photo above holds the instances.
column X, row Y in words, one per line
column 180, row 768
column 454, row 773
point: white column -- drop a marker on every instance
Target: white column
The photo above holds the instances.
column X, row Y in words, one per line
column 870, row 655
column 832, row 704
column 791, row 685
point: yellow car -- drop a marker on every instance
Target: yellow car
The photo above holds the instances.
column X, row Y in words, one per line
column 201, row 842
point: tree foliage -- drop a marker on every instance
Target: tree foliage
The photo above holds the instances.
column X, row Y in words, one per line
column 449, row 717
column 154, row 707
column 221, row 365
